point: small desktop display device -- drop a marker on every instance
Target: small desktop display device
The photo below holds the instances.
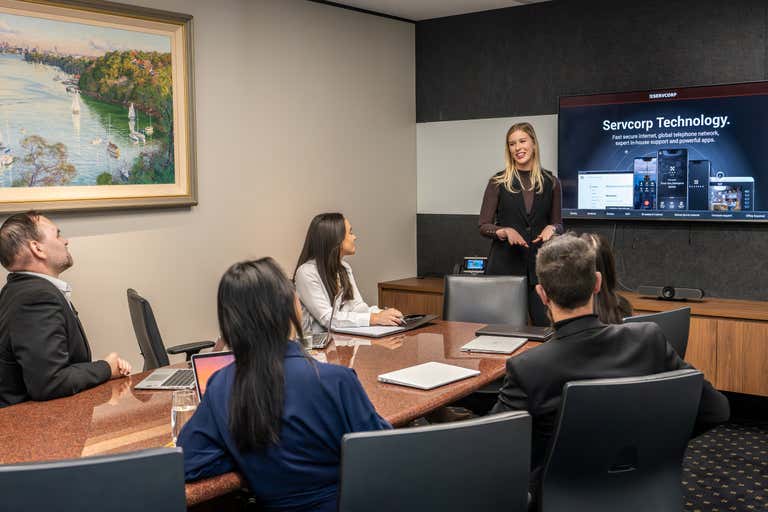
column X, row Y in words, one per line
column 689, row 153
column 474, row 265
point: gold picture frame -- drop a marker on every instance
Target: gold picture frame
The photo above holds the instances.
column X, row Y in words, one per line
column 96, row 107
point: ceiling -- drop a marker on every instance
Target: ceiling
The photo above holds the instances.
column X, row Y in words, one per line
column 417, row 10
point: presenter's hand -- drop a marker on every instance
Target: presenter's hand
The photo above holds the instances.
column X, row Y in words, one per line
column 389, row 316
column 546, row 233
column 511, row 236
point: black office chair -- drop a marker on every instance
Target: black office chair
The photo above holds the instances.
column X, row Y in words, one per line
column 674, row 324
column 486, row 299
column 144, row 480
column 479, row 465
column 619, row 444
column 148, row 335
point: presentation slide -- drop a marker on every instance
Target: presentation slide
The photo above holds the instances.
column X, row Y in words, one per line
column 696, row 153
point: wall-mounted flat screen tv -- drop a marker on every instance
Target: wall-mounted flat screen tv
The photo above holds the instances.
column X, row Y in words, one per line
column 694, row 153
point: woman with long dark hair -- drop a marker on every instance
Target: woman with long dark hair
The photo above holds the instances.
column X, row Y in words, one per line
column 610, row 307
column 521, row 210
column 325, row 283
column 274, row 415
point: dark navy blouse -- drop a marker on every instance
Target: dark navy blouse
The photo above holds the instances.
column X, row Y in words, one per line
column 322, row 403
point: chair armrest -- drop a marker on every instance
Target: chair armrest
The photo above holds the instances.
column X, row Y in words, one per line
column 189, row 348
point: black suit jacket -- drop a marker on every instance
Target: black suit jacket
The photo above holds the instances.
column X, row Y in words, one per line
column 44, row 353
column 586, row 348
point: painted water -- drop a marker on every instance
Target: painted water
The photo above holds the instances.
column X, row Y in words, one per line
column 34, row 101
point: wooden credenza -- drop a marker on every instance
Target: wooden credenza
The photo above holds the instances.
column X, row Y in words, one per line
column 728, row 339
column 414, row 295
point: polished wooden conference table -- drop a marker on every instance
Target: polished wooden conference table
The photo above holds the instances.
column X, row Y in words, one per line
column 114, row 417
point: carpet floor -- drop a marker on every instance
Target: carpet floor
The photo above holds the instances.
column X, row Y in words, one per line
column 726, row 469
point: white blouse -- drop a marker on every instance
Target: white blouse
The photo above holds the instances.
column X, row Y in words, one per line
column 316, row 304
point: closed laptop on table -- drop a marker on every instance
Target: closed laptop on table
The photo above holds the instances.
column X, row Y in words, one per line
column 379, row 331
column 529, row 332
column 494, row 344
column 427, row 375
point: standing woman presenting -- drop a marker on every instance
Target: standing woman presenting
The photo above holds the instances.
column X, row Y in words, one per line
column 520, row 211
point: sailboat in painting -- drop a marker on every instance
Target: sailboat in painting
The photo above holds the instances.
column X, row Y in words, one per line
column 76, row 103
column 135, row 136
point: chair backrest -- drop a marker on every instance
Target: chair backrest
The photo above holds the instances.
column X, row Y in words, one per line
column 479, row 465
column 144, row 480
column 486, row 299
column 674, row 324
column 147, row 334
column 619, row 444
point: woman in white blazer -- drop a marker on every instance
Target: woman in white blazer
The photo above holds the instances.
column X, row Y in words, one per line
column 324, row 281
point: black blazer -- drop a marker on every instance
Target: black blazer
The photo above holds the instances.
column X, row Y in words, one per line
column 505, row 259
column 44, row 353
column 586, row 348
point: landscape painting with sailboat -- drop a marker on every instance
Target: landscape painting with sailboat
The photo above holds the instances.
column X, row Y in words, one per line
column 84, row 105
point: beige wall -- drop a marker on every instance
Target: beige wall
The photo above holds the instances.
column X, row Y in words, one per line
column 301, row 108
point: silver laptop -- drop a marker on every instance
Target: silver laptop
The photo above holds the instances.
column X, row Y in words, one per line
column 203, row 366
column 168, row 378
column 494, row 344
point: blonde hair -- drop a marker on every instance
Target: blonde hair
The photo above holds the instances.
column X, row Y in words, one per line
column 511, row 173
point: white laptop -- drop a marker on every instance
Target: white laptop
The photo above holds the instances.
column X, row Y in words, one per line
column 494, row 344
column 428, row 375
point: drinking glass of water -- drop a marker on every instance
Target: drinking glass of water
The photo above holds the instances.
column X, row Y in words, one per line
column 183, row 406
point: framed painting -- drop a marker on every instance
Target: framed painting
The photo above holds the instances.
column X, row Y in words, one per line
column 96, row 106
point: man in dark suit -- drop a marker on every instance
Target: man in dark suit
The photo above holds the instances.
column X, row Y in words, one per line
column 44, row 353
column 584, row 348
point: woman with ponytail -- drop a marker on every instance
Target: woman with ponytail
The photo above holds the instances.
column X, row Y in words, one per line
column 520, row 211
column 274, row 415
column 610, row 306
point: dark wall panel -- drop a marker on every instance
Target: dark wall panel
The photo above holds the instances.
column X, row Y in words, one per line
column 517, row 61
column 443, row 240
column 693, row 255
